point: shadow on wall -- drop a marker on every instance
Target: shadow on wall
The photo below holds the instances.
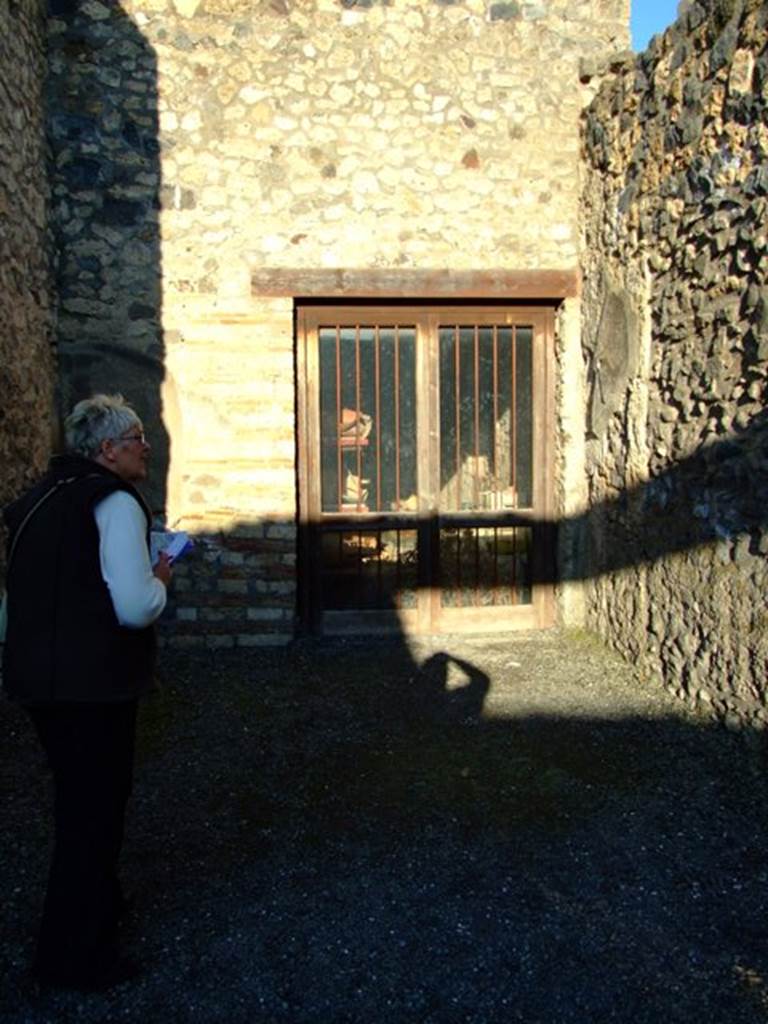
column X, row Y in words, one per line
column 720, row 493
column 106, row 192
column 243, row 581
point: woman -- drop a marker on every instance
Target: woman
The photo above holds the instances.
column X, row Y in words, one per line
column 79, row 653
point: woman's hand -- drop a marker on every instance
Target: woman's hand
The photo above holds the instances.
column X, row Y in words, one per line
column 163, row 569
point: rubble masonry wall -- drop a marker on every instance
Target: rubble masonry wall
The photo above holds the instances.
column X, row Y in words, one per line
column 26, row 363
column 675, row 339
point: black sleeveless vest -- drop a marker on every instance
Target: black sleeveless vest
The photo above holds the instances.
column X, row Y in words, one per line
column 63, row 641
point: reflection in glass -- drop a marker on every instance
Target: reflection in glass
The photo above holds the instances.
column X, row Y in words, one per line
column 369, row 569
column 368, row 419
column 486, row 418
column 485, row 566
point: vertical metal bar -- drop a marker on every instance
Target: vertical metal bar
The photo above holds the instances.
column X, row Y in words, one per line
column 513, row 415
column 358, row 448
column 377, row 414
column 359, row 573
column 459, row 594
column 378, row 569
column 397, row 417
column 398, row 574
column 476, row 418
column 339, row 457
column 476, row 597
column 495, row 455
column 513, row 586
column 340, row 559
column 457, row 395
column 495, row 590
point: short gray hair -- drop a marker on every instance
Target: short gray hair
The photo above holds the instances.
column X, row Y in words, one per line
column 95, row 420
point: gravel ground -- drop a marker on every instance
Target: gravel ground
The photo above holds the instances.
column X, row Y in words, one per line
column 523, row 830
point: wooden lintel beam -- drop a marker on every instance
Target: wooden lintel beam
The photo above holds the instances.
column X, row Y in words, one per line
column 513, row 285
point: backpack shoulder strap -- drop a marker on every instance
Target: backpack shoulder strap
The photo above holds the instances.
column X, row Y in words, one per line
column 40, row 501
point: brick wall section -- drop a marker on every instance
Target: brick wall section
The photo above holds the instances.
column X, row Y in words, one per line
column 202, row 144
column 236, row 588
column 675, row 332
column 234, row 450
column 26, row 366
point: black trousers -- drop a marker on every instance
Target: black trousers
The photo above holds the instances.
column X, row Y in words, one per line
column 90, row 750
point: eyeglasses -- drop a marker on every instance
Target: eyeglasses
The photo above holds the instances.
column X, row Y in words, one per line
column 131, row 437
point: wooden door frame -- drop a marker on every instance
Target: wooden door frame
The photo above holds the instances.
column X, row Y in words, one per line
column 426, row 317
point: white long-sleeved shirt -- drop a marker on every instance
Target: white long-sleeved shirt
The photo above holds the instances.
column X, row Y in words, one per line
column 137, row 594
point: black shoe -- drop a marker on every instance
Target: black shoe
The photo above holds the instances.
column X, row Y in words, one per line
column 117, row 973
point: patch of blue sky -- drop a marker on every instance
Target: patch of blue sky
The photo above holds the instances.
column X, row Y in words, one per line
column 648, row 17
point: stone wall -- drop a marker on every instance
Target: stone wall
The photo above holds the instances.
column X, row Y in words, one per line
column 675, row 334
column 26, row 365
column 216, row 159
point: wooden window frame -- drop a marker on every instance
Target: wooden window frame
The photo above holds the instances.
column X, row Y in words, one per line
column 429, row 616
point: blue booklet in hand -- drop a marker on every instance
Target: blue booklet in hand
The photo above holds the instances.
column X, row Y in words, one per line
column 173, row 544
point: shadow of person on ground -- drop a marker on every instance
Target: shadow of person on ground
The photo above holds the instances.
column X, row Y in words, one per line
column 349, row 831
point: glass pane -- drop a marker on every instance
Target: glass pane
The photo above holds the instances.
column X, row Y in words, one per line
column 486, row 418
column 449, row 432
column 485, row 566
column 369, row 569
column 524, row 418
column 368, row 418
column 330, row 401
